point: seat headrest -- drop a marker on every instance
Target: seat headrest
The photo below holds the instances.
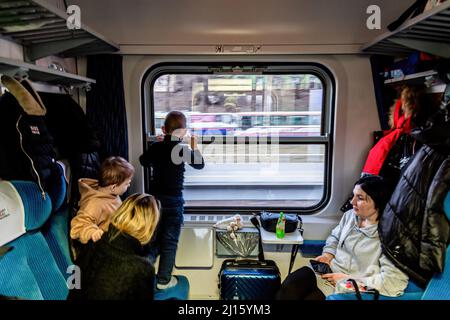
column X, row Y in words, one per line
column 12, row 213
column 447, row 206
column 37, row 210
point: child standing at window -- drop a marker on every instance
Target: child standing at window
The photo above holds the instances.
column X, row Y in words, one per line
column 166, row 159
column 100, row 198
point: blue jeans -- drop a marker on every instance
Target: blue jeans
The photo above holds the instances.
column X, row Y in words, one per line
column 165, row 239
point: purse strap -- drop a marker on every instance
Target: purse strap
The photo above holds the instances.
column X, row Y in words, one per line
column 255, row 222
column 355, row 286
column 375, row 292
column 300, row 224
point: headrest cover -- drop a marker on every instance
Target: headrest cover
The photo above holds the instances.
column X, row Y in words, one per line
column 12, row 216
column 37, row 209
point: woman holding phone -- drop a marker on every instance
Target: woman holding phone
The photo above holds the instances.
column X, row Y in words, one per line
column 353, row 250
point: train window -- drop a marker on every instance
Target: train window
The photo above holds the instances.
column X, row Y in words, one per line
column 265, row 137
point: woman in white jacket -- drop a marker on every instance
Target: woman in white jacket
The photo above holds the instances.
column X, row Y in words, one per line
column 353, row 250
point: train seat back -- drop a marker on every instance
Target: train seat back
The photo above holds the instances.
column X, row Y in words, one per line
column 437, row 289
column 56, row 229
column 439, row 286
column 29, row 270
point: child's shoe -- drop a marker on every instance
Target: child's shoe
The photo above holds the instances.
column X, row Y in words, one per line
column 172, row 283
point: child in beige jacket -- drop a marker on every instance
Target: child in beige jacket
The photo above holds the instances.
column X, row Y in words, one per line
column 100, row 198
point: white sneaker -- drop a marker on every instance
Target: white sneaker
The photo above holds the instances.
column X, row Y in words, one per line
column 172, row 283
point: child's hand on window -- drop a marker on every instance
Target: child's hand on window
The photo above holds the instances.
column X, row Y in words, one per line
column 97, row 235
column 194, row 142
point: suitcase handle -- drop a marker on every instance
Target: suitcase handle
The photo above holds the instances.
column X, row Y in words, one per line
column 248, row 262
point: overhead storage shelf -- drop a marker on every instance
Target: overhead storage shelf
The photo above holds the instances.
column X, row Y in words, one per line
column 415, row 77
column 428, row 32
column 42, row 74
column 435, row 86
column 42, row 29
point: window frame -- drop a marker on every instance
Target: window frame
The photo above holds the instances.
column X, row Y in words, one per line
column 327, row 119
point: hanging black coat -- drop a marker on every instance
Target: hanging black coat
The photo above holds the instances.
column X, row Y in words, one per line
column 26, row 145
column 75, row 138
column 69, row 126
column 413, row 228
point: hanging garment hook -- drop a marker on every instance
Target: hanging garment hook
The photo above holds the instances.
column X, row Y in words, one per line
column 16, row 73
column 87, row 87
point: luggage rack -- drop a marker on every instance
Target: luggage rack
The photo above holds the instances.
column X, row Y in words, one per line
column 428, row 32
column 36, row 73
column 435, row 86
column 42, row 29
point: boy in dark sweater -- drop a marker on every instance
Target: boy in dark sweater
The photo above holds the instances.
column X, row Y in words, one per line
column 166, row 160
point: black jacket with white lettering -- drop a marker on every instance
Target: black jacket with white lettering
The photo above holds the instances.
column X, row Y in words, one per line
column 26, row 146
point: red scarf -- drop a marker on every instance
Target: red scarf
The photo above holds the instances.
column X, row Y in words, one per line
column 380, row 151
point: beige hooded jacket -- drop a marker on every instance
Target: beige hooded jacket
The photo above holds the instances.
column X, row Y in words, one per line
column 95, row 212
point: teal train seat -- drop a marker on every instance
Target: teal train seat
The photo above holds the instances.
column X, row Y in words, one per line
column 437, row 289
column 439, row 286
column 179, row 292
column 56, row 233
column 29, row 270
column 312, row 248
column 56, row 229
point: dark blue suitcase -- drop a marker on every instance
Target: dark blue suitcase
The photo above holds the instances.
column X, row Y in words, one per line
column 249, row 280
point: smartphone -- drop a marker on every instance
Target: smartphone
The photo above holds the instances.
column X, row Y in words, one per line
column 320, row 267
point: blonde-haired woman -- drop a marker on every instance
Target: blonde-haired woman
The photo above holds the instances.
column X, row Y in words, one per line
column 115, row 267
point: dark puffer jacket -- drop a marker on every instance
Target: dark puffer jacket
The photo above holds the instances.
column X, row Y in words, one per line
column 413, row 228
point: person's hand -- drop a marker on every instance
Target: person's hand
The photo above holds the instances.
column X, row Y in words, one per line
column 325, row 258
column 97, row 235
column 334, row 277
column 194, row 142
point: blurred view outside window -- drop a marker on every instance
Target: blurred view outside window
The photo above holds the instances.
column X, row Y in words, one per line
column 252, row 131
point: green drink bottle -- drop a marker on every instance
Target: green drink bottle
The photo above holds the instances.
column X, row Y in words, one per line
column 281, row 223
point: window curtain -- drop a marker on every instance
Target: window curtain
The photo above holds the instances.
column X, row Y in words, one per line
column 105, row 104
